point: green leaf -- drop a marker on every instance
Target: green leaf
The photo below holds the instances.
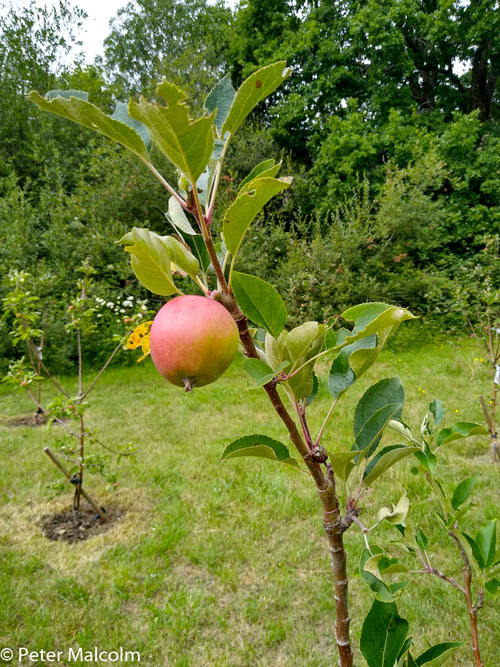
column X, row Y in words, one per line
column 263, row 169
column 177, row 217
column 199, row 250
column 493, row 586
column 398, row 513
column 302, row 344
column 384, row 460
column 463, row 491
column 260, row 371
column 377, row 585
column 380, row 403
column 314, row 392
column 150, row 261
column 342, row 463
column 342, row 375
column 421, row 540
column 383, row 634
column 260, row 302
column 303, row 340
column 370, row 318
column 181, row 256
column 79, row 110
column 245, row 207
column 438, row 654
column 186, row 143
column 121, row 113
column 427, row 459
column 437, row 411
column 404, row 649
column 379, row 563
column 458, row 431
column 221, row 98
column 259, row 445
column 257, row 87
column 476, row 551
column 486, row 538
column 403, row 430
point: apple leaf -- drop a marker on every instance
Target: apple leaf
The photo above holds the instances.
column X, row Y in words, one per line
column 383, row 634
column 427, row 459
column 438, row 654
column 357, row 356
column 262, row 446
column 384, row 460
column 199, row 250
column 260, row 371
column 260, row 302
column 181, row 256
column 150, row 260
column 186, row 143
column 396, row 515
column 178, row 218
column 245, row 207
column 486, row 541
column 73, row 105
column 342, row 463
column 121, row 113
column 493, row 586
column 476, row 551
column 370, row 318
column 267, row 168
column 310, row 398
column 380, row 403
column 379, row 587
column 220, row 98
column 463, row 491
column 458, row 431
column 437, row 411
column 302, row 344
column 253, row 90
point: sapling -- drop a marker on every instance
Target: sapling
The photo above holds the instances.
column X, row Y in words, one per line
column 205, row 247
column 479, row 300
column 477, row 555
column 66, row 409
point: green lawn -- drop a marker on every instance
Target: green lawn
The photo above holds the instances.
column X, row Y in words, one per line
column 223, row 564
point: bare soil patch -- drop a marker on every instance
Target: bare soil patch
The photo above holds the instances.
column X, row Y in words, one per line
column 78, row 526
column 32, row 420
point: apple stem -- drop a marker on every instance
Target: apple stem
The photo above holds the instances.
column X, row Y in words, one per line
column 187, row 384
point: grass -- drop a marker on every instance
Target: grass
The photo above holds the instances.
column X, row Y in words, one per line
column 224, row 564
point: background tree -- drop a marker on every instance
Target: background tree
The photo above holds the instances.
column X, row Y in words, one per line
column 151, row 39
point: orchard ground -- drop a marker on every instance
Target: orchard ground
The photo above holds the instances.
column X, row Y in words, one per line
column 213, row 564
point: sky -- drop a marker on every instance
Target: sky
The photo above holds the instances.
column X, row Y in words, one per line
column 97, row 24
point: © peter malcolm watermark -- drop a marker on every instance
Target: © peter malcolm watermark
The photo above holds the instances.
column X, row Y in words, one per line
column 25, row 656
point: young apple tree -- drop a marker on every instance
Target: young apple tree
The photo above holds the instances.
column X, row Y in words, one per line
column 193, row 338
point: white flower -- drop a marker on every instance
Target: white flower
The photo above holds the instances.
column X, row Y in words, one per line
column 110, row 304
column 127, row 303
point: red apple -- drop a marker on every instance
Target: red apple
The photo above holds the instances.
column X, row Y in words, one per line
column 193, row 340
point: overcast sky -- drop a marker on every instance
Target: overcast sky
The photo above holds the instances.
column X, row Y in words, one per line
column 97, row 25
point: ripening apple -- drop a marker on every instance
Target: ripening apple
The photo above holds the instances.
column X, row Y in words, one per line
column 193, row 340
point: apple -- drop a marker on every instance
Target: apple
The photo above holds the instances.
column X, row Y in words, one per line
column 193, row 340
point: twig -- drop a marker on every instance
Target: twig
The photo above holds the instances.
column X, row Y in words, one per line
column 97, row 377
column 84, row 493
column 467, row 572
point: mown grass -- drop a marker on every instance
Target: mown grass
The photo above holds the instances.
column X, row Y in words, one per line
column 224, row 564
